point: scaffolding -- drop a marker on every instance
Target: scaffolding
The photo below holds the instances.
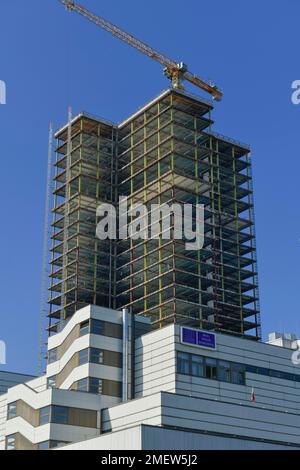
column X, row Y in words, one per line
column 81, row 265
column 167, row 153
column 164, row 153
column 44, row 297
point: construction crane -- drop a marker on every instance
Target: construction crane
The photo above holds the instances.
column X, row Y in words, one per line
column 177, row 72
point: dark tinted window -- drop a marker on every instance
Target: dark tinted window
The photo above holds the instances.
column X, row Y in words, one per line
column 59, row 415
column 97, row 327
column 251, row 369
column 224, row 373
column 210, row 368
column 96, row 356
column 197, row 366
column 83, row 356
column 183, row 363
column 238, row 374
column 45, row 415
column 95, row 386
column 84, row 328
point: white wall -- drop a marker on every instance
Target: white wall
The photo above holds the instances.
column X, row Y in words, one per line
column 155, row 362
column 155, row 370
column 155, row 438
column 205, row 415
column 130, row 439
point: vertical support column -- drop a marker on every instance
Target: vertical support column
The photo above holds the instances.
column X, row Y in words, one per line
column 127, row 356
column 212, row 233
column 132, row 186
column 160, row 242
column 63, row 310
column 253, row 246
column 220, row 228
column 145, row 264
column 197, row 177
column 52, row 322
column 236, row 216
column 115, row 198
column 172, row 168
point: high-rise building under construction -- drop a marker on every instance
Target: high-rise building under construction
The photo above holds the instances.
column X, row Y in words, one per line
column 164, row 153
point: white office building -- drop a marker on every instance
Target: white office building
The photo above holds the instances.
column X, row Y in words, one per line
column 114, row 384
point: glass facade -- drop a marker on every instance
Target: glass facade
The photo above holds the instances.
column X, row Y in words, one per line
column 98, row 386
column 210, row 368
column 225, row 371
column 100, row 356
column 100, row 327
column 46, row 445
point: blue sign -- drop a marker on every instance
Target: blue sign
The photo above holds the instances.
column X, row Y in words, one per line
column 199, row 338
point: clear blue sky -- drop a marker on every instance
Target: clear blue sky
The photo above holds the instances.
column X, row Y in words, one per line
column 51, row 59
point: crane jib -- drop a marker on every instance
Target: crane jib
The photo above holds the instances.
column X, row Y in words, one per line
column 175, row 71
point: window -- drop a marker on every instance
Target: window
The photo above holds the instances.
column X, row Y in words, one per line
column 183, row 365
column 52, row 355
column 60, row 415
column 51, row 382
column 54, row 444
column 224, row 371
column 287, row 376
column 12, row 410
column 238, row 374
column 263, row 371
column 210, row 368
column 97, row 327
column 43, row 445
column 82, row 385
column 10, row 442
column 95, row 386
column 83, row 357
column 276, row 373
column 272, row 373
column 197, row 366
column 112, row 388
column 200, row 366
column 50, row 444
column 113, row 330
column 252, row 369
column 96, row 356
column 84, row 328
column 44, row 415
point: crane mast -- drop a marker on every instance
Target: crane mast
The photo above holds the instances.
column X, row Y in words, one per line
column 177, row 72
